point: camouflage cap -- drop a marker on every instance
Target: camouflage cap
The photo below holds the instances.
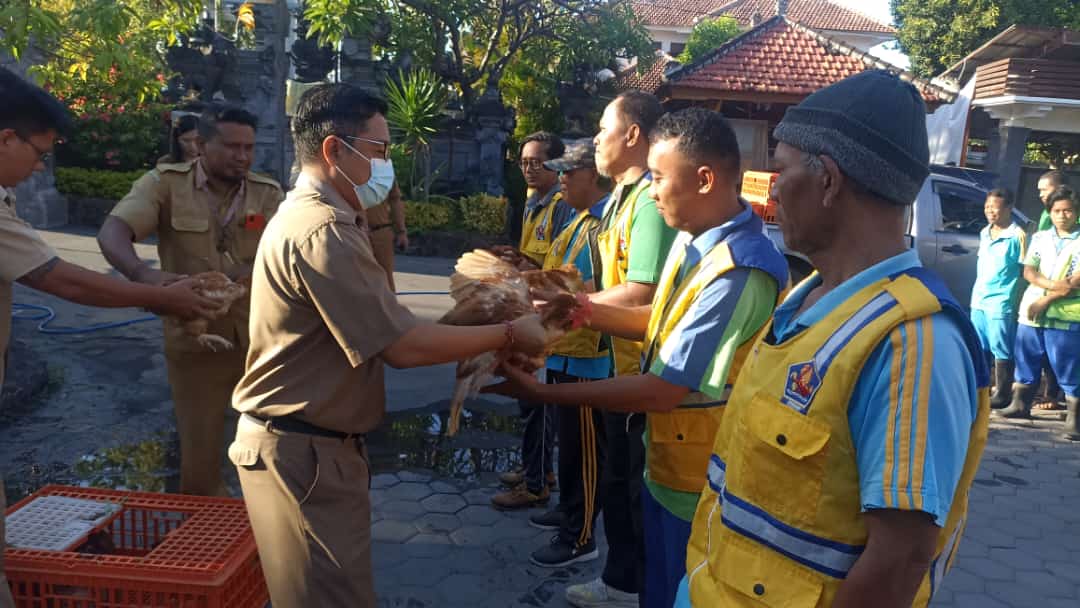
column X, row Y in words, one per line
column 580, row 154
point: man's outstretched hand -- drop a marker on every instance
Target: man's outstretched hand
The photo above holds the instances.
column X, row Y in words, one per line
column 184, row 300
column 516, row 383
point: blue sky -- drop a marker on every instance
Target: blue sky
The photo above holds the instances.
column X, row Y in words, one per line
column 878, row 9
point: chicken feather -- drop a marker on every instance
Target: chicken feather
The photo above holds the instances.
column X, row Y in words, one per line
column 496, row 286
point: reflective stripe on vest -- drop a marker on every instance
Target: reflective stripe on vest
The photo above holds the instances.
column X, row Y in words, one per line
column 716, row 472
column 826, row 556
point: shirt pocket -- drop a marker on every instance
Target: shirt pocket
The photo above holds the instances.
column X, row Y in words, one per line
column 791, row 449
column 192, row 240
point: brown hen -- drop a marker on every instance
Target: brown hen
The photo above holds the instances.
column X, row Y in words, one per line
column 488, row 288
column 216, row 286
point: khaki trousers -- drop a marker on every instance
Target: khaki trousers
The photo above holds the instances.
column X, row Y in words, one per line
column 308, row 502
column 202, row 384
column 382, row 245
column 6, row 600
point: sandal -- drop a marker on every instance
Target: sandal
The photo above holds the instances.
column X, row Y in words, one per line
column 1048, row 406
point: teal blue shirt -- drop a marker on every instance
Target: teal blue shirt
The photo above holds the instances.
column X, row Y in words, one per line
column 1000, row 268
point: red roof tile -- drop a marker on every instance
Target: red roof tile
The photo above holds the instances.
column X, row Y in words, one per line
column 816, row 14
column 784, row 58
column 649, row 81
column 678, row 13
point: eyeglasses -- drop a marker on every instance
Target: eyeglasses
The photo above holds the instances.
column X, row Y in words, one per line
column 531, row 163
column 383, row 154
column 43, row 155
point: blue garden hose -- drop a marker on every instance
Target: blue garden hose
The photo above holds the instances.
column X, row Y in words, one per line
column 35, row 312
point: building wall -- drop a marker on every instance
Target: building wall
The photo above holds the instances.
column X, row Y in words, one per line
column 670, row 40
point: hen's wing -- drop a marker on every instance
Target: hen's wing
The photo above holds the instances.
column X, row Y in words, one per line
column 486, row 289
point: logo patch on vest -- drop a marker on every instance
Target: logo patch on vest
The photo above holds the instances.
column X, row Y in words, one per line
column 802, row 384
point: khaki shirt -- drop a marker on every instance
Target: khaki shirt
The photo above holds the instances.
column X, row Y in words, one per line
column 199, row 231
column 21, row 251
column 321, row 314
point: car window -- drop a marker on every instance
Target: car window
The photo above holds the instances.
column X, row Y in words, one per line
column 961, row 208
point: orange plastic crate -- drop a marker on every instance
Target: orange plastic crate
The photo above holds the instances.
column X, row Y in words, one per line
column 756, row 189
column 170, row 551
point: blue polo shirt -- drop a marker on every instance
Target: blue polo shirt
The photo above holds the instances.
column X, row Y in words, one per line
column 893, row 396
column 1000, row 268
column 593, row 368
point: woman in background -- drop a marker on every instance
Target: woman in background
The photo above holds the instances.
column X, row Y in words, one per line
column 183, row 140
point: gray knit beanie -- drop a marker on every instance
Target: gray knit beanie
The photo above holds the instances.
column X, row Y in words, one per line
column 873, row 125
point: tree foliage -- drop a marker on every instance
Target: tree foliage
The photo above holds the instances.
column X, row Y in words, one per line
column 938, row 33
column 416, row 101
column 708, row 35
column 107, row 51
column 472, row 44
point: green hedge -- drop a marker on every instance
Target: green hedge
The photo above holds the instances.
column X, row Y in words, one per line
column 478, row 213
column 96, row 183
column 422, row 217
column 483, row 213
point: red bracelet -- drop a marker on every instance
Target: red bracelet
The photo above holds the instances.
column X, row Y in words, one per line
column 509, row 333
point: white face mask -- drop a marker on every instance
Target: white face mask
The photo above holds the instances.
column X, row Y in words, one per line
column 378, row 186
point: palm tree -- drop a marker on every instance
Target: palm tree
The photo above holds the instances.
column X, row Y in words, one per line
column 416, row 101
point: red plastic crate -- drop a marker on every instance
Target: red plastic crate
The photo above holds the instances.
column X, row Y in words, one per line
column 170, row 551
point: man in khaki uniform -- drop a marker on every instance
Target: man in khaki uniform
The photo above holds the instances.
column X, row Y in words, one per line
column 386, row 225
column 323, row 322
column 30, row 121
column 208, row 215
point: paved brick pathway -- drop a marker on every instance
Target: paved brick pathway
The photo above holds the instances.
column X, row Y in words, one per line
column 438, row 543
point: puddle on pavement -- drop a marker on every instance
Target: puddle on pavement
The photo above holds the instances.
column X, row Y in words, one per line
column 487, row 442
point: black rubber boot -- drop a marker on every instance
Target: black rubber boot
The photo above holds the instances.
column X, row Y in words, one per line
column 1072, row 419
column 1022, row 396
column 1003, row 379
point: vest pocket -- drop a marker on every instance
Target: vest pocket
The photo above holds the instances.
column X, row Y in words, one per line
column 792, row 449
column 765, row 577
column 681, row 442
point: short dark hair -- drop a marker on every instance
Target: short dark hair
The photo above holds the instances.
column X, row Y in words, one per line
column 1001, row 193
column 187, row 122
column 1055, row 177
column 554, row 146
column 331, row 109
column 1063, row 193
column 213, row 115
column 640, row 108
column 704, row 136
column 28, row 109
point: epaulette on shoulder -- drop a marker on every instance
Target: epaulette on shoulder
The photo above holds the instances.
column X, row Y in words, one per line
column 175, row 167
column 263, row 179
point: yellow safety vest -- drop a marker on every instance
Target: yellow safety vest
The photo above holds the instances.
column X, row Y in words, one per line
column 614, row 245
column 780, row 522
column 583, row 342
column 537, row 230
column 680, row 441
